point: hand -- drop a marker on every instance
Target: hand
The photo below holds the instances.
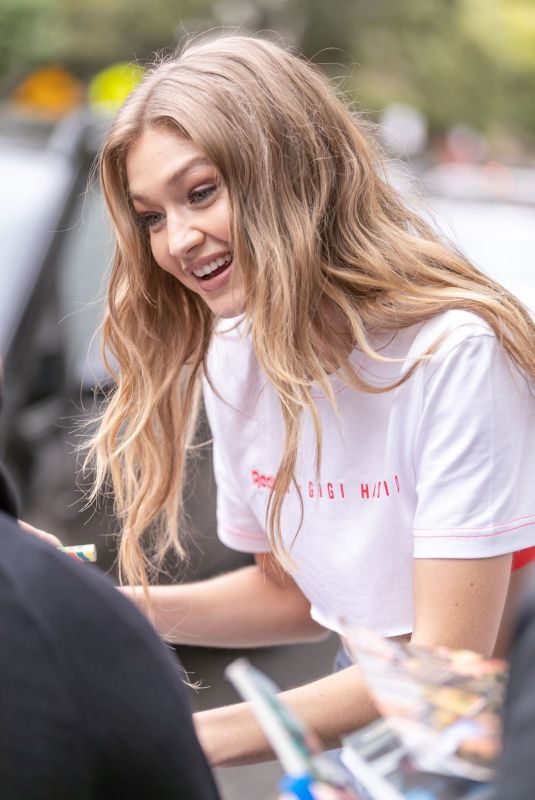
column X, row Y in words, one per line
column 47, row 537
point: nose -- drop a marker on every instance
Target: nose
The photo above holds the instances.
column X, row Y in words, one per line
column 183, row 236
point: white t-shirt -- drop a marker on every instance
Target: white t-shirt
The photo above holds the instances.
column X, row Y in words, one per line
column 441, row 467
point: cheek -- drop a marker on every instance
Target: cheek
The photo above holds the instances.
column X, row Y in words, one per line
column 160, row 253
column 157, row 248
column 221, row 219
column 164, row 260
column 223, row 227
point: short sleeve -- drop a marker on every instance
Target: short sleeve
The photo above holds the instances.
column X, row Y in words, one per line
column 474, row 455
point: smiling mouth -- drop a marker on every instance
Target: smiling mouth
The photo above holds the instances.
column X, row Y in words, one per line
column 214, row 269
column 216, row 272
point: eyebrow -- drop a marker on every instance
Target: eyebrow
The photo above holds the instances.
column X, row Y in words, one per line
column 176, row 176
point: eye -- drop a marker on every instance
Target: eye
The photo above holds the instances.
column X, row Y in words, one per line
column 198, row 196
column 149, row 221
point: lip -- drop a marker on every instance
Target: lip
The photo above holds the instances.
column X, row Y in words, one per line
column 202, row 262
column 218, row 282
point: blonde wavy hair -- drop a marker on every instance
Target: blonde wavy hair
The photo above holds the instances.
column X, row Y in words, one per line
column 318, row 235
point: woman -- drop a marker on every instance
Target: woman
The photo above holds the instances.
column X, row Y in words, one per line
column 368, row 390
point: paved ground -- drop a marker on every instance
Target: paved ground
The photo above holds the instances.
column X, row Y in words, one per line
column 56, row 506
column 288, row 666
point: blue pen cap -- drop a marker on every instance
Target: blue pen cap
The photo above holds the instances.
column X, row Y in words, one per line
column 298, row 786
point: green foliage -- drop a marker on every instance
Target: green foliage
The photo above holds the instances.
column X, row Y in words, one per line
column 88, row 34
column 468, row 61
column 16, row 24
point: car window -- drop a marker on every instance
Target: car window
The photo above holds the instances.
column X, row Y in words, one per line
column 32, row 189
column 84, row 259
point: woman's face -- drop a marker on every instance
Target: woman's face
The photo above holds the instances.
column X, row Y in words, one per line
column 181, row 203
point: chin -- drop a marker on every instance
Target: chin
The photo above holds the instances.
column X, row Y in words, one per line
column 227, row 307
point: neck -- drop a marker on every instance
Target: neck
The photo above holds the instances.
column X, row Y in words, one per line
column 336, row 343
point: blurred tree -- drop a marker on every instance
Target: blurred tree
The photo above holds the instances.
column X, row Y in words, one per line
column 466, row 61
column 103, row 31
column 87, row 34
column 329, row 30
column 16, row 21
column 505, row 31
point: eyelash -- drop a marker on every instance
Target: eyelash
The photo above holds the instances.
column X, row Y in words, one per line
column 148, row 221
column 199, row 195
column 195, row 197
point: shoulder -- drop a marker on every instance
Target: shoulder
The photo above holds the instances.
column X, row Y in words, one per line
column 424, row 345
column 463, row 343
column 443, row 332
column 462, row 350
column 436, row 335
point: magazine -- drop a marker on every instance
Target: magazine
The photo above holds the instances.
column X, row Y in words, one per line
column 384, row 766
column 439, row 737
column 444, row 705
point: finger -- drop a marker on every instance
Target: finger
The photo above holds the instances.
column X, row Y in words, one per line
column 47, row 537
column 323, row 792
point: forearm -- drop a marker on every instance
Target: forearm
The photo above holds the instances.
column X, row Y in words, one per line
column 332, row 706
column 243, row 608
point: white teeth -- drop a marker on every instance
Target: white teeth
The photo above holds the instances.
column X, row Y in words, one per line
column 212, row 266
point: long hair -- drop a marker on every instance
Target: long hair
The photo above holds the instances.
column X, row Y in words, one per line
column 317, row 233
